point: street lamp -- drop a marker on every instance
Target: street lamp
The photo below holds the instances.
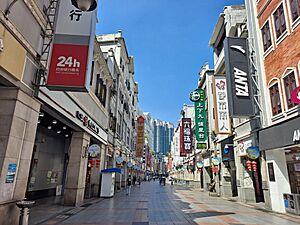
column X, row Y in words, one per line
column 85, row 5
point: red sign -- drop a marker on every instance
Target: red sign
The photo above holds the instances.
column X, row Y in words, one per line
column 296, row 95
column 182, row 151
column 140, row 139
column 68, row 67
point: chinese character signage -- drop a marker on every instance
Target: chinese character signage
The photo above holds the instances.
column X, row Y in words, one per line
column 72, row 51
column 182, row 151
column 140, row 141
column 238, row 78
column 223, row 120
column 200, row 117
column 186, row 124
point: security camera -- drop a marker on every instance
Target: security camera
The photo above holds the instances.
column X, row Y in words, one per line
column 85, row 5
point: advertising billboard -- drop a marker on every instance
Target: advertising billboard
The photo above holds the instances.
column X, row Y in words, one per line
column 238, row 77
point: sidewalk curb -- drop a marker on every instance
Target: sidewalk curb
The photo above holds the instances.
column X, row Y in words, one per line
column 287, row 216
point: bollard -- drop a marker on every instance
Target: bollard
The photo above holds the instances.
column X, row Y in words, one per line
column 24, row 207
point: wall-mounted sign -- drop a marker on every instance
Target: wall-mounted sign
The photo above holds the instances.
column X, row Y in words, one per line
column 242, row 147
column 182, row 152
column 201, row 145
column 215, row 161
column 140, row 138
column 227, row 153
column 70, row 65
column 87, row 122
column 200, row 117
column 11, row 173
column 119, row 160
column 238, row 78
column 94, row 150
column 296, row 136
column 195, row 96
column 206, row 162
column 296, row 95
column 271, row 171
column 253, row 152
column 199, row 165
column 222, row 114
column 186, row 124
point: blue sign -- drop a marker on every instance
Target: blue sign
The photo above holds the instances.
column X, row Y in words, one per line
column 12, row 168
column 253, row 152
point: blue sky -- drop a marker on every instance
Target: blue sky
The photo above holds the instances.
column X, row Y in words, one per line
column 169, row 41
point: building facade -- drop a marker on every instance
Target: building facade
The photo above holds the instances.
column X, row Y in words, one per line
column 278, row 34
column 163, row 133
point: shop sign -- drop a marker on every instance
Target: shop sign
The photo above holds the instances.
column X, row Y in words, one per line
column 140, row 138
column 223, row 119
column 215, row 161
column 199, row 165
column 187, row 135
column 296, row 136
column 72, row 51
column 201, row 145
column 242, row 147
column 119, row 160
column 94, row 150
column 206, row 162
column 11, row 173
column 238, row 77
column 227, row 153
column 87, row 122
column 296, row 95
column 253, row 152
column 200, row 117
column 182, row 152
column 195, row 96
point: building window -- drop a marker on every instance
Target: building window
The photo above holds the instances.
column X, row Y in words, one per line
column 266, row 36
column 101, row 90
column 289, row 85
column 279, row 21
column 295, row 9
column 275, row 99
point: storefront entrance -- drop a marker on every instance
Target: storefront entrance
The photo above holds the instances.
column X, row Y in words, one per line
column 49, row 159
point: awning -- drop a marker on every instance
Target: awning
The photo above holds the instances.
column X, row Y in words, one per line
column 112, row 170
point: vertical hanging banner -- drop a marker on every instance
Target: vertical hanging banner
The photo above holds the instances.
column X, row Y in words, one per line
column 182, row 151
column 140, row 138
column 222, row 114
column 238, row 78
column 72, row 51
column 187, row 135
column 198, row 96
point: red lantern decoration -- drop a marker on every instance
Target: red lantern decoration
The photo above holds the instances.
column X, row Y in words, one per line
column 254, row 166
column 249, row 165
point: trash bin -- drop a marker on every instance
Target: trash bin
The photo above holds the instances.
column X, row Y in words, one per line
column 292, row 203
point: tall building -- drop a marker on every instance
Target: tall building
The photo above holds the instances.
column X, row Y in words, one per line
column 149, row 130
column 163, row 133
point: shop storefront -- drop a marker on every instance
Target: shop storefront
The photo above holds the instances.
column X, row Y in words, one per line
column 248, row 165
column 281, row 144
column 47, row 177
column 228, row 172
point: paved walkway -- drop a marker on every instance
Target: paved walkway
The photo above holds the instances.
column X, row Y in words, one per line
column 152, row 204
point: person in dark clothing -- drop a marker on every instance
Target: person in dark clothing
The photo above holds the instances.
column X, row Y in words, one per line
column 129, row 183
column 134, row 180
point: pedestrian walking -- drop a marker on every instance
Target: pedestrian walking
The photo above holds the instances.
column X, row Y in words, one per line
column 139, row 180
column 129, row 183
column 133, row 179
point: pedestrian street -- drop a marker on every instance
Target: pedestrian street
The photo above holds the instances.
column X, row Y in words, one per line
column 154, row 204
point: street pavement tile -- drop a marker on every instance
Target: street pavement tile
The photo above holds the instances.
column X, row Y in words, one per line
column 152, row 204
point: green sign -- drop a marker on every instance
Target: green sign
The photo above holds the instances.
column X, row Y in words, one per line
column 201, row 146
column 200, row 117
